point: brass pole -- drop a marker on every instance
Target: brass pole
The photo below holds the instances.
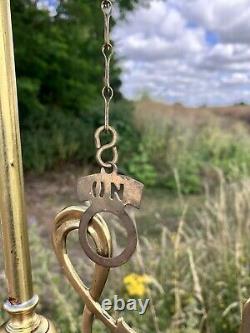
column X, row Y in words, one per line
column 12, row 207
column 21, row 302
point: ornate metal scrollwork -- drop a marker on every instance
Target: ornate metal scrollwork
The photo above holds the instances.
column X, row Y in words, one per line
column 65, row 222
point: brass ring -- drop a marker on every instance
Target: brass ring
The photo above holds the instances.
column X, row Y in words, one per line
column 128, row 224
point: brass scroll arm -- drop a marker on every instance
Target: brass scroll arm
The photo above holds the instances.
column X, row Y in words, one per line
column 65, row 222
column 245, row 324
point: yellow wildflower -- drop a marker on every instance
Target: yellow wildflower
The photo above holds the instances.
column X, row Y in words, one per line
column 136, row 285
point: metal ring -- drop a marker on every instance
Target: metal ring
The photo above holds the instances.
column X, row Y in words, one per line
column 127, row 222
column 106, row 6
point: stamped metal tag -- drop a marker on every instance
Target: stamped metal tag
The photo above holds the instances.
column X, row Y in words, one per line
column 109, row 192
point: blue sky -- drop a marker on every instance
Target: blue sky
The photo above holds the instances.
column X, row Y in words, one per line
column 196, row 52
column 51, row 4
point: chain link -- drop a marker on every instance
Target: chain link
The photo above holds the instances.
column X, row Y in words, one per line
column 101, row 148
column 107, row 93
column 107, row 50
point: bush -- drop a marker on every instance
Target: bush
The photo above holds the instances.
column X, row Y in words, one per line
column 59, row 70
column 140, row 166
column 168, row 149
column 60, row 137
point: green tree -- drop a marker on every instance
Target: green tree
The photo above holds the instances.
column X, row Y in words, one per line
column 59, row 69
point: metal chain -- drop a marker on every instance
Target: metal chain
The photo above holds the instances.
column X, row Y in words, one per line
column 107, row 93
column 107, row 50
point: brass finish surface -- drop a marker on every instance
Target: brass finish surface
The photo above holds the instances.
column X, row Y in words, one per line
column 102, row 148
column 12, row 207
column 23, row 319
column 104, row 192
column 107, row 51
column 109, row 192
column 65, row 222
column 245, row 323
column 21, row 302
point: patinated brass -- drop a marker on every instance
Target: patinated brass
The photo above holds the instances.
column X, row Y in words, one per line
column 102, row 148
column 12, row 207
column 245, row 323
column 109, row 192
column 24, row 319
column 65, row 222
column 104, row 192
column 21, row 302
column 107, row 51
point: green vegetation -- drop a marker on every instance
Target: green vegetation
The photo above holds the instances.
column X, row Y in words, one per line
column 199, row 271
column 198, row 264
column 59, row 69
column 193, row 153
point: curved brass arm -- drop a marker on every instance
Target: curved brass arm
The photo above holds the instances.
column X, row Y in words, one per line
column 65, row 222
column 245, row 323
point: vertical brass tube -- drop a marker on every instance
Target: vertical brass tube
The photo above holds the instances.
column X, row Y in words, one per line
column 21, row 302
column 12, row 206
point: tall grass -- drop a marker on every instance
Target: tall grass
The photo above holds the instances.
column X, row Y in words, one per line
column 200, row 271
column 191, row 142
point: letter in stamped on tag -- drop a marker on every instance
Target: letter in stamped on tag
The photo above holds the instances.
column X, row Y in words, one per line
column 111, row 186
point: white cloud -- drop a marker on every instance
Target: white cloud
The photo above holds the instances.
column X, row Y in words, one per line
column 189, row 51
column 229, row 18
column 49, row 5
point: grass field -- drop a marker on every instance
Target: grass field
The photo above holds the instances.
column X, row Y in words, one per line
column 194, row 247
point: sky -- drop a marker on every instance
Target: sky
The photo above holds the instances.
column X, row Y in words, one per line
column 194, row 52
